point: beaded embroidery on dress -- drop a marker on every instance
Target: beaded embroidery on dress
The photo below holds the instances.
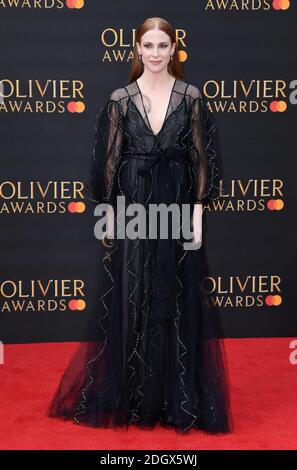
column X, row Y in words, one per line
column 154, row 351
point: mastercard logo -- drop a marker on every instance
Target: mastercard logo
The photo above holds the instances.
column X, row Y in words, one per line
column 78, row 304
column 75, row 3
column 76, row 107
column 273, row 300
column 278, row 106
column 182, row 56
column 275, row 204
column 76, row 207
column 281, row 4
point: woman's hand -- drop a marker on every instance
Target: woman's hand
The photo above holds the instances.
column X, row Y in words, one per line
column 197, row 223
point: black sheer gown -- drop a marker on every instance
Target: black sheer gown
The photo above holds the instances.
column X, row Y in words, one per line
column 154, row 352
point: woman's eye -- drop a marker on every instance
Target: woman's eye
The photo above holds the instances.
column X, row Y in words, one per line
column 162, row 45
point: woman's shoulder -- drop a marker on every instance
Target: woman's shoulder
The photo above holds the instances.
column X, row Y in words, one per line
column 192, row 90
column 118, row 94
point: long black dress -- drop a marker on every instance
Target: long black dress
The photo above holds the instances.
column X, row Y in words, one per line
column 154, row 351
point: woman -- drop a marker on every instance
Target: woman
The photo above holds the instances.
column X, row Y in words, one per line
column 154, row 353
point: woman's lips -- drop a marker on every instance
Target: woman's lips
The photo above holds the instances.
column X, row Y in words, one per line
column 155, row 61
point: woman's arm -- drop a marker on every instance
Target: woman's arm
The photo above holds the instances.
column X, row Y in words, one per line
column 206, row 162
column 104, row 160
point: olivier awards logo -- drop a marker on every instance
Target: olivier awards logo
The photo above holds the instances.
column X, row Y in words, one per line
column 247, row 5
column 251, row 195
column 41, row 198
column 36, row 295
column 43, row 4
column 253, row 96
column 254, row 290
column 41, row 97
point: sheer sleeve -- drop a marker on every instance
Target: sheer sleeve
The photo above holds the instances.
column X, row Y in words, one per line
column 100, row 183
column 206, row 162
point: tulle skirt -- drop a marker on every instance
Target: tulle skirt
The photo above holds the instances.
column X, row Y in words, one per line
column 144, row 362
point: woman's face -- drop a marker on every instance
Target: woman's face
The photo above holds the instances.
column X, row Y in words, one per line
column 156, row 48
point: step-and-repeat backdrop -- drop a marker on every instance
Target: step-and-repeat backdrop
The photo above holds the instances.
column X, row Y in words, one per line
column 60, row 60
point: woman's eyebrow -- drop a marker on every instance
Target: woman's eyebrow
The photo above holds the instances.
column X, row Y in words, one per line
column 162, row 42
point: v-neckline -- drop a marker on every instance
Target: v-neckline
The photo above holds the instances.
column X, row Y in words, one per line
column 165, row 118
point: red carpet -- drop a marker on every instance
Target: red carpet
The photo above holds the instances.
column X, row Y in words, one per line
column 263, row 394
